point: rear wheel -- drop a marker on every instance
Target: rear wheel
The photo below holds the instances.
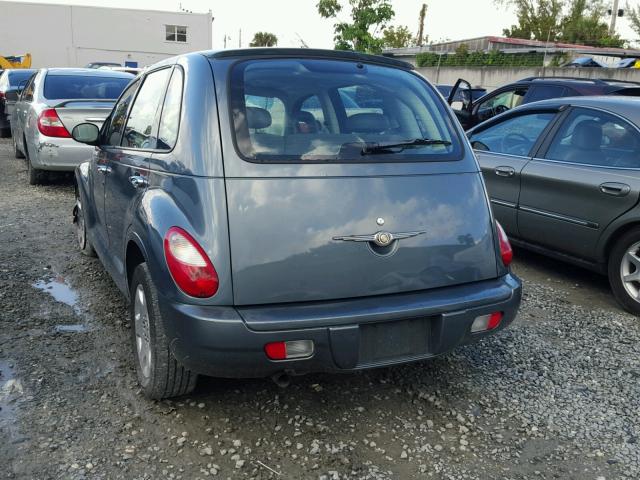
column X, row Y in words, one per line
column 81, row 230
column 159, row 373
column 36, row 176
column 624, row 271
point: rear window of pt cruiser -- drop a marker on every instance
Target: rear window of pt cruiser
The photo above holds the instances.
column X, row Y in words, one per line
column 297, row 110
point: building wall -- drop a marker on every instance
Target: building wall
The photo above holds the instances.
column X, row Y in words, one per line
column 494, row 77
column 72, row 36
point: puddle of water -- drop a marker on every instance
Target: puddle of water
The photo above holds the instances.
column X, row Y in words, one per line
column 61, row 291
column 77, row 328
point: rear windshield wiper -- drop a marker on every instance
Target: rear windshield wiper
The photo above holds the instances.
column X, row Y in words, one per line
column 373, row 148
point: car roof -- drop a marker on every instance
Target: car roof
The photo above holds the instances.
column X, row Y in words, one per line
column 86, row 72
column 308, row 53
column 628, row 107
column 580, row 80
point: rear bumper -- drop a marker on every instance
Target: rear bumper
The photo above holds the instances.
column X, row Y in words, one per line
column 63, row 154
column 229, row 342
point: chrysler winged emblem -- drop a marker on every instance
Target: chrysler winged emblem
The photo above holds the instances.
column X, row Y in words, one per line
column 381, row 239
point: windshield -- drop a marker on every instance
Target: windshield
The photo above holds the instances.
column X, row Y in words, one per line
column 290, row 110
column 66, row 87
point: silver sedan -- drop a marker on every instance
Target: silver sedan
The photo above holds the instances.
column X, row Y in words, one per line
column 51, row 104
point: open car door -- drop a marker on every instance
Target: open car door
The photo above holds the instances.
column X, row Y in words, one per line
column 461, row 101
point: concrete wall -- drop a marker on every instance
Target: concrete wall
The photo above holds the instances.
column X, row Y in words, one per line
column 494, row 77
column 72, row 36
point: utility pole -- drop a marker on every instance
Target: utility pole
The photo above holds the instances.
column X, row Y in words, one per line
column 240, row 38
column 614, row 15
column 423, row 13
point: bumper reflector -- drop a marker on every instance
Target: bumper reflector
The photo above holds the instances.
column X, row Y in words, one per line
column 486, row 322
column 289, row 350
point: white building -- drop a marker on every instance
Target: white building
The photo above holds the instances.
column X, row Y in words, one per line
column 73, row 36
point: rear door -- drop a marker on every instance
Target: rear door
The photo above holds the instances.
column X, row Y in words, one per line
column 128, row 162
column 313, row 216
column 503, row 149
column 587, row 175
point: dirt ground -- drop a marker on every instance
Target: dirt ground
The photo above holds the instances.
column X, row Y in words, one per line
column 554, row 396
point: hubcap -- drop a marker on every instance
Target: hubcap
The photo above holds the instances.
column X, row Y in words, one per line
column 630, row 271
column 80, row 232
column 143, row 343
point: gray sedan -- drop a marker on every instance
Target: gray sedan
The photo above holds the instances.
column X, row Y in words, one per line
column 563, row 176
column 51, row 104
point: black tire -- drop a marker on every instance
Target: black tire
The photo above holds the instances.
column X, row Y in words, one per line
column 16, row 151
column 36, row 176
column 615, row 271
column 81, row 230
column 164, row 377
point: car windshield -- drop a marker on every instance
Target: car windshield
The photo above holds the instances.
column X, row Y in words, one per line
column 59, row 87
column 295, row 110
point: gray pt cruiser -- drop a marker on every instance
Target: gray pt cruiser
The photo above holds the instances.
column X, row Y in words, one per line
column 274, row 212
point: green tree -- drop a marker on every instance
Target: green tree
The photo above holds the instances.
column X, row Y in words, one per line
column 633, row 14
column 537, row 19
column 264, row 39
column 362, row 32
column 397, row 37
column 572, row 21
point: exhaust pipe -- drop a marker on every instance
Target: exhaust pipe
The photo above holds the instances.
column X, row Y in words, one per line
column 282, row 379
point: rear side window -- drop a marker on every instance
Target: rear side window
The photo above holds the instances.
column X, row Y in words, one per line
column 543, row 92
column 594, row 137
column 139, row 133
column 170, row 120
column 513, row 136
column 65, row 87
column 298, row 110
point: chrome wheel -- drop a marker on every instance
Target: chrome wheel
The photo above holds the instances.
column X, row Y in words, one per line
column 630, row 271
column 143, row 343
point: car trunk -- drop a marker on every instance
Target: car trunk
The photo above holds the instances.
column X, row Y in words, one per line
column 74, row 112
column 290, row 237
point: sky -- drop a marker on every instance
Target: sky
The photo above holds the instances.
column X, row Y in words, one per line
column 291, row 20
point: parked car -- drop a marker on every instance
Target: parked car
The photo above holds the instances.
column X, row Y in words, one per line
column 10, row 81
column 585, row 62
column 131, row 70
column 476, row 92
column 627, row 63
column 102, row 64
column 53, row 102
column 254, row 238
column 533, row 89
column 563, row 176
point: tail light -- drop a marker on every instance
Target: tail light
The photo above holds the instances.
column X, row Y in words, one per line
column 49, row 124
column 2, row 96
column 189, row 265
column 486, row 322
column 506, row 252
column 289, row 350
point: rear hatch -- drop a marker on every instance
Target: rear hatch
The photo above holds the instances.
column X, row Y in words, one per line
column 74, row 112
column 321, row 206
column 286, row 245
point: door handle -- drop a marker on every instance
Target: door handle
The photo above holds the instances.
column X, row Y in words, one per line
column 104, row 169
column 138, row 181
column 615, row 189
column 505, row 171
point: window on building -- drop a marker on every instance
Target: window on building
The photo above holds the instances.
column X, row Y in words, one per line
column 176, row 33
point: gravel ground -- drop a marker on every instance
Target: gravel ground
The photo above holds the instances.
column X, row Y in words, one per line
column 555, row 396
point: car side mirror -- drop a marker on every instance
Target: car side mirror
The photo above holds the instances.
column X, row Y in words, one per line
column 86, row 133
column 12, row 95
